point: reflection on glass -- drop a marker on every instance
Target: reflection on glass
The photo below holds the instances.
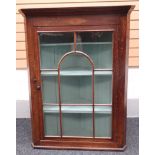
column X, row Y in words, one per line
column 98, row 45
column 53, row 46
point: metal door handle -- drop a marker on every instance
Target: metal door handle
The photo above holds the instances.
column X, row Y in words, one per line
column 38, row 87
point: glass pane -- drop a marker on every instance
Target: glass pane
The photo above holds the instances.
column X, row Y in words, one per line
column 77, row 124
column 76, row 83
column 53, row 46
column 103, row 89
column 76, row 120
column 77, row 86
column 51, row 124
column 98, row 45
column 103, row 125
column 103, row 121
column 76, row 90
column 76, row 62
column 49, row 89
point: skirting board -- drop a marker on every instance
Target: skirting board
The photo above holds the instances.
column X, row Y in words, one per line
column 23, row 108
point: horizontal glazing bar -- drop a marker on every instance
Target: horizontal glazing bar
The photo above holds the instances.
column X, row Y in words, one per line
column 78, row 109
column 64, row 104
column 85, row 137
column 102, row 137
column 85, row 43
column 75, row 73
column 49, row 70
column 99, row 69
column 76, row 137
column 50, row 136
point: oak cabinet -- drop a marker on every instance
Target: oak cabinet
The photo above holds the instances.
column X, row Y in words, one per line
column 77, row 60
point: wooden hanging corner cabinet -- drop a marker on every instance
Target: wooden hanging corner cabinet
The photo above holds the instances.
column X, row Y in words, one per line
column 78, row 64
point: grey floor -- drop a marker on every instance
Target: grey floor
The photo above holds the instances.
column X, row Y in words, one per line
column 24, row 141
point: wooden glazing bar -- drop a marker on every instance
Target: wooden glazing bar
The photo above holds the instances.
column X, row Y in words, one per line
column 60, row 111
column 54, row 104
column 75, row 39
column 59, row 82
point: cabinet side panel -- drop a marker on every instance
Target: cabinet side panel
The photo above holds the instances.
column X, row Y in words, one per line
column 115, row 85
column 122, row 78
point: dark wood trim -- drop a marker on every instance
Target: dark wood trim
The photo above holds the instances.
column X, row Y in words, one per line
column 115, row 86
column 79, row 20
column 51, row 147
column 76, row 28
column 72, row 11
column 38, row 83
column 32, row 76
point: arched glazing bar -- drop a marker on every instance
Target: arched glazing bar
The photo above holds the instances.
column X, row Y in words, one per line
column 59, row 87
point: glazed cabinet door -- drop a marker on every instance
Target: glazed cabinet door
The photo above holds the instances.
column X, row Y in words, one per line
column 76, row 71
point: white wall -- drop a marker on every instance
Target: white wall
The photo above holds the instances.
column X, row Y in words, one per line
column 22, row 96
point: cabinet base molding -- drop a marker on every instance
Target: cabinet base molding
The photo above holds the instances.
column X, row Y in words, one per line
column 77, row 148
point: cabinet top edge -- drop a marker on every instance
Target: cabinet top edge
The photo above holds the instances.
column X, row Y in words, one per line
column 71, row 11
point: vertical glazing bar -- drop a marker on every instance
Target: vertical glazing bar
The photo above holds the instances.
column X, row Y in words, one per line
column 93, row 94
column 60, row 112
column 59, row 94
column 75, row 35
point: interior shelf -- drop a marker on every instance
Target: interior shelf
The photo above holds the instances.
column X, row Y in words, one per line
column 84, row 43
column 76, row 73
column 78, row 109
